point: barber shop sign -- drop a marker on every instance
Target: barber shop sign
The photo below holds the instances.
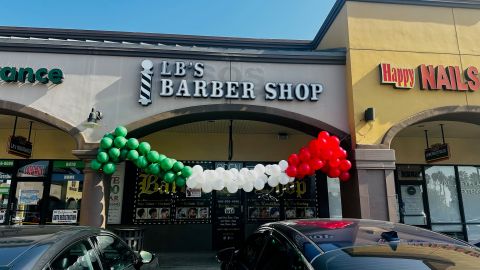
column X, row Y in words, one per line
column 184, row 79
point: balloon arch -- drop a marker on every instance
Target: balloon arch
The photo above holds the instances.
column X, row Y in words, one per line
column 322, row 153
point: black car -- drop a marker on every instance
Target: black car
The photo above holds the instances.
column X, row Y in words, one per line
column 66, row 247
column 349, row 244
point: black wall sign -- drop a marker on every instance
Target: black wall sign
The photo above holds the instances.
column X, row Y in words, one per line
column 437, row 152
column 228, row 220
column 20, row 146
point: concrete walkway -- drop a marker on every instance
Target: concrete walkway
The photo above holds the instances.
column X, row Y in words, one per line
column 188, row 260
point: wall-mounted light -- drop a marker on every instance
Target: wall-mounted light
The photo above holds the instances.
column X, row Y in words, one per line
column 369, row 114
column 93, row 118
column 282, row 136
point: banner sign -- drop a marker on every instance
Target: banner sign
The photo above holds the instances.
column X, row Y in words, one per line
column 437, row 152
column 441, row 77
column 20, row 146
column 116, row 195
column 65, row 216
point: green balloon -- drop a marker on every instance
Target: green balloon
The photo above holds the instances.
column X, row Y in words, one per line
column 123, row 154
column 95, row 164
column 102, row 157
column 142, row 162
column 132, row 155
column 166, row 164
column 180, row 181
column 169, row 177
column 121, row 131
column 147, row 170
column 132, row 143
column 161, row 174
column 144, row 148
column 106, row 143
column 153, row 156
column 154, row 169
column 109, row 168
column 120, row 142
column 177, row 166
column 114, row 153
column 187, row 171
column 161, row 157
column 109, row 135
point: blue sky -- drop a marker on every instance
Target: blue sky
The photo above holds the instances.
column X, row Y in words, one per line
column 284, row 19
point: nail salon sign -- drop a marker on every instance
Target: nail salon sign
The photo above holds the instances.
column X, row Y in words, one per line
column 174, row 83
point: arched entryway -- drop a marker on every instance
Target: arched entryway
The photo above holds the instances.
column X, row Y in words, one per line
column 201, row 135
column 40, row 178
column 437, row 170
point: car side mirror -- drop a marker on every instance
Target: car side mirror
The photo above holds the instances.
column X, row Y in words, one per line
column 225, row 254
column 145, row 256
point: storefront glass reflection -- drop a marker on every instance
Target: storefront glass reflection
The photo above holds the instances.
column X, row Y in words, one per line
column 442, row 194
column 470, row 188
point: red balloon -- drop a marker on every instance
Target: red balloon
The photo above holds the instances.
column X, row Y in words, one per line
column 293, row 160
column 344, row 176
column 334, row 163
column 316, row 164
column 325, row 168
column 291, row 171
column 333, row 141
column 314, row 148
column 334, row 173
column 311, row 171
column 304, row 154
column 323, row 134
column 345, row 165
column 326, row 154
column 342, row 154
column 303, row 169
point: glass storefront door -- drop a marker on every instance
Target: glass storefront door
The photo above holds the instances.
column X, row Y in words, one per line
column 27, row 202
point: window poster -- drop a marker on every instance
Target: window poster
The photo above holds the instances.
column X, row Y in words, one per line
column 116, row 195
column 299, row 199
column 157, row 202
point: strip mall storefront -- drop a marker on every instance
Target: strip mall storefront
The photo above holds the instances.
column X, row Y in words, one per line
column 407, row 111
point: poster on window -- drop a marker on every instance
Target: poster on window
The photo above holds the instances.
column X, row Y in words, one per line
column 116, row 195
column 412, row 205
column 30, row 168
column 299, row 199
column 29, row 197
column 2, row 216
column 61, row 216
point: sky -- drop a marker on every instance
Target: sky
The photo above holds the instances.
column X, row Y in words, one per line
column 278, row 19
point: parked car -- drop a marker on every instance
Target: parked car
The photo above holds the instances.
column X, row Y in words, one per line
column 67, row 247
column 348, row 244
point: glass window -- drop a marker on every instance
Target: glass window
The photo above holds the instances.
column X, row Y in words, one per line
column 251, row 251
column 27, row 202
column 470, row 188
column 442, row 194
column 114, row 254
column 80, row 256
column 334, row 198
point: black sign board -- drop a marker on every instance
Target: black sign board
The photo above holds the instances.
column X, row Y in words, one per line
column 437, row 152
column 20, row 146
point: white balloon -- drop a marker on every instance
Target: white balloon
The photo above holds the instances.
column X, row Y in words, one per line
column 248, row 187
column 206, row 187
column 268, row 169
column 259, row 169
column 232, row 187
column 240, row 180
column 272, row 181
column 283, row 165
column 259, row 184
column 197, row 169
column 252, row 174
column 228, row 175
column 263, row 177
column 283, row 179
column 244, row 171
column 192, row 182
column 291, row 179
column 200, row 178
column 220, row 170
column 234, row 171
column 218, row 184
column 276, row 170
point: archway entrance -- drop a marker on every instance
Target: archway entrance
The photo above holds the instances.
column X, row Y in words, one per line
column 40, row 179
column 437, row 176
column 205, row 221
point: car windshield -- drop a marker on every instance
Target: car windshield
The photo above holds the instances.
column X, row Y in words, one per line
column 413, row 256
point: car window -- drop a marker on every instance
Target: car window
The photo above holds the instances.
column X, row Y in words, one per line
column 80, row 256
column 251, row 250
column 114, row 254
column 279, row 254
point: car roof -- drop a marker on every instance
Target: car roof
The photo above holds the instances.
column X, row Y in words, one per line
column 333, row 234
column 19, row 239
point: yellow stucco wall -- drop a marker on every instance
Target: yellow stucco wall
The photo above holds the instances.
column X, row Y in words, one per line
column 214, row 146
column 405, row 36
column 337, row 35
column 47, row 144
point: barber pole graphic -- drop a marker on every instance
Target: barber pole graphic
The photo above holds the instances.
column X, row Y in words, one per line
column 146, row 87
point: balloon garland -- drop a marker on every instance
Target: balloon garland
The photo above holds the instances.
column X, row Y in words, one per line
column 323, row 153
